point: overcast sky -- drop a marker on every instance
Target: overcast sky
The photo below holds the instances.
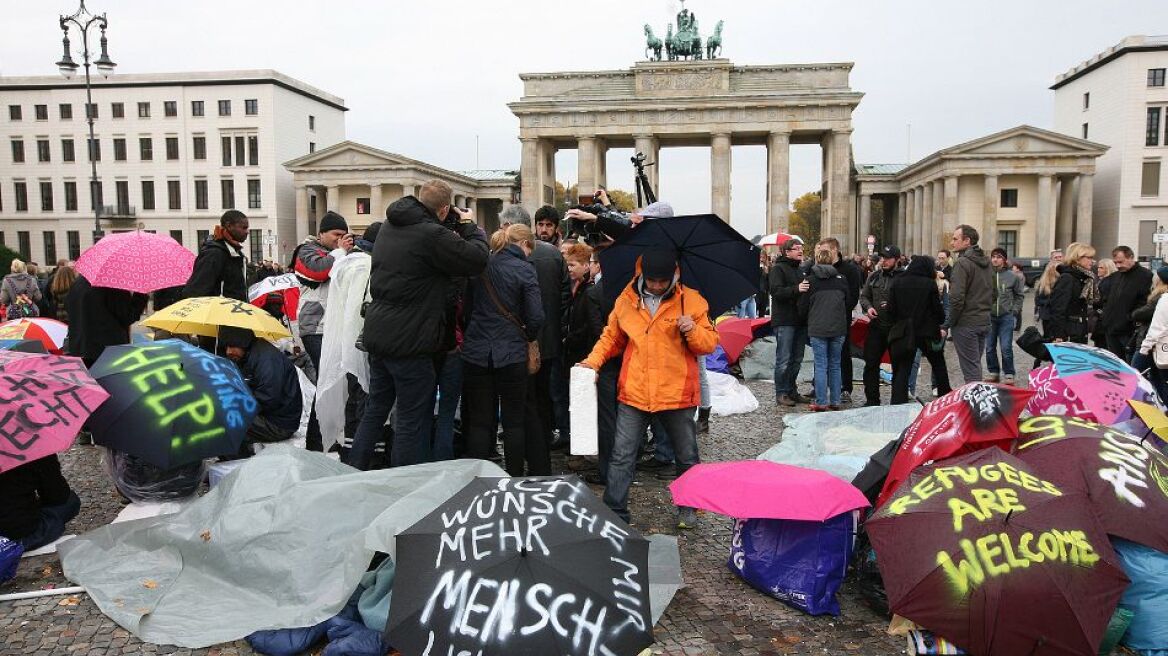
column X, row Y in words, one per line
column 425, row 78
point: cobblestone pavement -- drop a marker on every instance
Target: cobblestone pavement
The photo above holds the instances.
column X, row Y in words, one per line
column 716, row 613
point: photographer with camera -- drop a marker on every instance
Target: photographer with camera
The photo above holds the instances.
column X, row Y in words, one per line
column 596, row 220
column 415, row 281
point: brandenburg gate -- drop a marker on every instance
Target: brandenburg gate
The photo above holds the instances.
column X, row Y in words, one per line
column 658, row 104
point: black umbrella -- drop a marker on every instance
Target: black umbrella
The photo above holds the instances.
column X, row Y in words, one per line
column 715, row 259
column 871, row 478
column 521, row 566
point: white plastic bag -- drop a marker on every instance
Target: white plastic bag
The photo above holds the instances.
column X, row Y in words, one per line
column 728, row 396
column 582, row 412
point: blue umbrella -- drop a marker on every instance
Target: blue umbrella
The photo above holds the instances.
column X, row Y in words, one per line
column 715, row 259
column 171, row 403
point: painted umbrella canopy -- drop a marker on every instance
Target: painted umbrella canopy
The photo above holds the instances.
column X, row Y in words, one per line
column 171, row 403
column 44, row 400
column 1088, row 383
column 521, row 566
column 205, row 315
column 986, row 553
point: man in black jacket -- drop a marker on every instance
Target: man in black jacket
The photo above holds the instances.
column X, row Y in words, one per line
column 786, row 283
column 547, row 391
column 272, row 379
column 409, row 323
column 220, row 268
column 1130, row 286
column 874, row 302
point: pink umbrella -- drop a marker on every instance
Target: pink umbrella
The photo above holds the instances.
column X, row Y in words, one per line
column 761, row 489
column 136, row 261
column 45, row 400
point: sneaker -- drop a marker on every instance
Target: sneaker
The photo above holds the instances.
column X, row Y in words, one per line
column 799, row 398
column 667, row 475
column 845, row 398
column 1009, row 380
column 833, row 406
column 815, row 407
column 786, row 401
column 687, row 518
column 990, row 378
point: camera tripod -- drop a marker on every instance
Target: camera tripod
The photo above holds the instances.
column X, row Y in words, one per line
column 645, row 195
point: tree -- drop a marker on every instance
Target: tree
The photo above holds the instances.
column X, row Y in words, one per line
column 6, row 257
column 565, row 198
column 623, row 200
column 804, row 220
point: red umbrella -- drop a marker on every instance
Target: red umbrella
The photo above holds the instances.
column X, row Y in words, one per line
column 987, row 554
column 1125, row 478
column 736, row 334
column 971, row 417
column 858, row 334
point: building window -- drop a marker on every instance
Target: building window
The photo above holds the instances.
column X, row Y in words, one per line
column 253, row 194
column 95, row 194
column 17, row 151
column 14, row 113
column 227, row 189
column 172, row 148
column 95, row 150
column 50, row 242
column 312, row 146
column 66, row 111
column 170, row 108
column 67, row 154
column 146, row 149
column 118, row 110
column 239, row 152
column 46, row 196
column 226, row 141
column 1150, row 184
column 225, row 108
column 362, row 205
column 122, row 193
column 42, row 112
column 1009, row 198
column 199, row 147
column 311, row 122
column 73, row 239
column 200, row 194
column 311, row 208
column 70, row 196
column 251, row 107
column 173, row 194
column 119, row 150
column 24, row 245
column 1084, row 130
column 20, row 191
column 147, row 194
column 202, row 236
column 1156, row 77
column 143, row 110
column 177, row 235
column 91, row 110
column 43, row 154
column 253, row 151
column 1152, row 133
column 1008, row 241
column 196, row 108
column 255, row 241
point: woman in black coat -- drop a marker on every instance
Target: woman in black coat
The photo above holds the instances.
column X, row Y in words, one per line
column 583, row 328
column 1074, row 296
column 494, row 354
column 913, row 300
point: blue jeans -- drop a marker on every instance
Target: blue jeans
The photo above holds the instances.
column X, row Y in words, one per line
column 1001, row 333
column 410, row 383
column 828, row 376
column 449, row 394
column 747, row 309
column 789, row 344
column 630, row 428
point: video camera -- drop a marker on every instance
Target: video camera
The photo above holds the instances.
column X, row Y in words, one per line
column 588, row 230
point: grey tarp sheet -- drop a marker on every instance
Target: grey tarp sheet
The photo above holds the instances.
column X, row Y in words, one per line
column 281, row 542
column 840, row 442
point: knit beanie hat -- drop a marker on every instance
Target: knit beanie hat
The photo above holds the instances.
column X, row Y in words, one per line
column 371, row 232
column 659, row 263
column 1163, row 273
column 332, row 221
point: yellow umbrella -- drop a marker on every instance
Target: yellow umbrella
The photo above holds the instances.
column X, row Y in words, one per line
column 204, row 316
column 1154, row 417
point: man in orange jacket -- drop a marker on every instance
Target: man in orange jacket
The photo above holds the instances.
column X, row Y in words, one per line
column 661, row 327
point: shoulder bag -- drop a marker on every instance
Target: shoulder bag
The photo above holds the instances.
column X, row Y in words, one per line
column 533, row 358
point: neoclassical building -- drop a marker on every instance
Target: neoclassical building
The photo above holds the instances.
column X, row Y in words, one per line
column 359, row 182
column 1026, row 189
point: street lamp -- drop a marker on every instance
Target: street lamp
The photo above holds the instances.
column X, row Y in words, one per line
column 83, row 20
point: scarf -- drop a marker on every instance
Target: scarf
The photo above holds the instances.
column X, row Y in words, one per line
column 1090, row 293
column 221, row 234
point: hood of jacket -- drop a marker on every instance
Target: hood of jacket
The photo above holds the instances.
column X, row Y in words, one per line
column 824, row 271
column 21, row 277
column 921, row 265
column 409, row 211
column 1074, row 271
column 976, row 256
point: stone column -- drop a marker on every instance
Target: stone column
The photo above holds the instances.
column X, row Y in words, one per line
column 948, row 209
column 530, row 173
column 334, row 199
column 918, row 230
column 989, row 213
column 648, row 144
column 928, row 225
column 376, row 203
column 301, row 214
column 586, row 167
column 1044, row 221
column 720, row 175
column 778, row 181
column 901, row 219
column 1064, row 222
column 838, row 196
column 1084, row 219
column 865, row 219
column 601, row 175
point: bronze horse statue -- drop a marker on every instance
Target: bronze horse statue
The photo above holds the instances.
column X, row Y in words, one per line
column 714, row 43
column 652, row 45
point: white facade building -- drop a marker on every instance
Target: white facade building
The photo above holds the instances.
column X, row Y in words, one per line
column 174, row 151
column 1119, row 98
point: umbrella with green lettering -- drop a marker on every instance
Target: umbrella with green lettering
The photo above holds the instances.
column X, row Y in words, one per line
column 984, row 552
column 171, row 403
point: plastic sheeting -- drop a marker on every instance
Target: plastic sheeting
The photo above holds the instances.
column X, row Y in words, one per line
column 840, row 442
column 268, row 548
column 728, row 396
column 1146, row 597
column 758, row 359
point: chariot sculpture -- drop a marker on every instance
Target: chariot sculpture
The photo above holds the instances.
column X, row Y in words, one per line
column 686, row 43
